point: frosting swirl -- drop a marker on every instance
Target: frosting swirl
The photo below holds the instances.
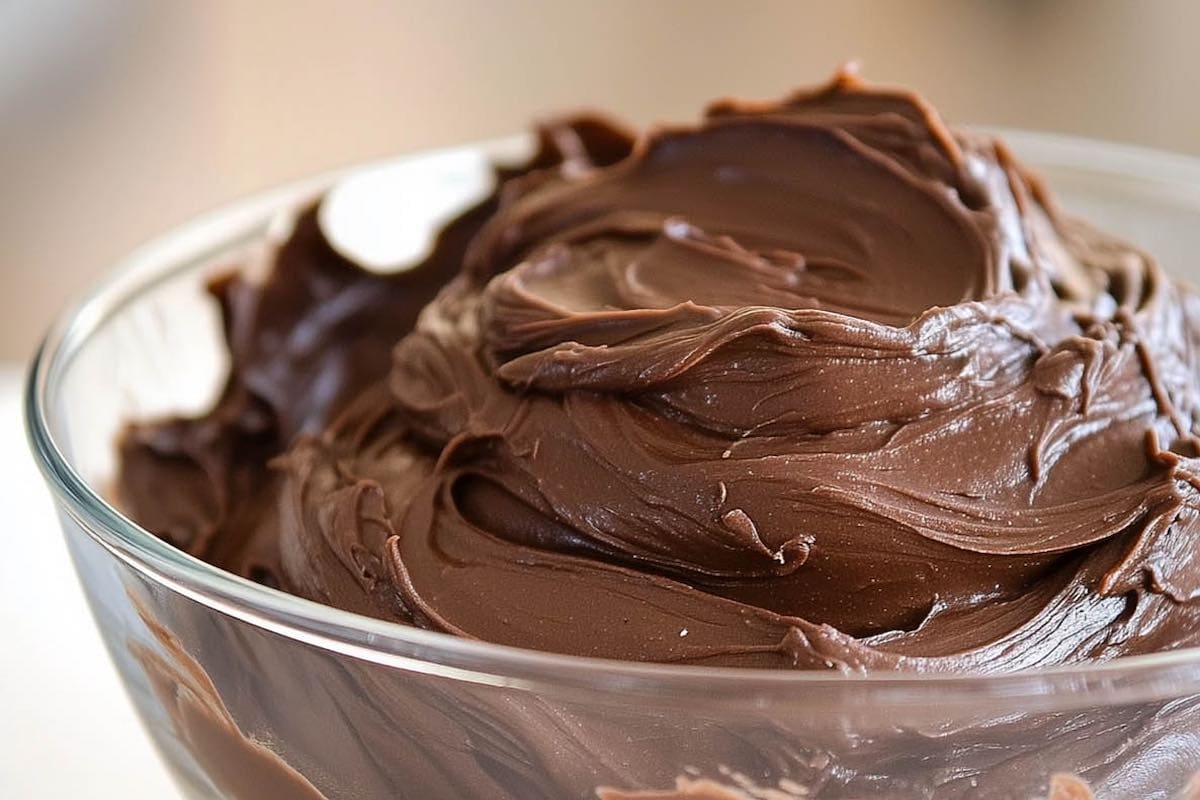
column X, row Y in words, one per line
column 817, row 383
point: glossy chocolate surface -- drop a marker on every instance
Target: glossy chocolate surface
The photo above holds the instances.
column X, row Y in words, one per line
column 816, row 384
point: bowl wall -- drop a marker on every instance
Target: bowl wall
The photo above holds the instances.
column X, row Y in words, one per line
column 249, row 693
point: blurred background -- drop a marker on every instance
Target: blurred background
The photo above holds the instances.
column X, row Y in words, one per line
column 121, row 118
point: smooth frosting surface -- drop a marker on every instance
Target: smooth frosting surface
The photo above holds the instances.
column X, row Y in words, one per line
column 814, row 384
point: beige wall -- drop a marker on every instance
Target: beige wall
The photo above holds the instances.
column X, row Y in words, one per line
column 184, row 105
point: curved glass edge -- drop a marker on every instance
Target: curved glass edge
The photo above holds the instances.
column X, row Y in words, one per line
column 219, row 232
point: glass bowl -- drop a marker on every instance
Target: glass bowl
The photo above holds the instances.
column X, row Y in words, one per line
column 252, row 693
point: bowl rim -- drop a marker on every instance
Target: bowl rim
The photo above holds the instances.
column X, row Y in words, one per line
column 197, row 243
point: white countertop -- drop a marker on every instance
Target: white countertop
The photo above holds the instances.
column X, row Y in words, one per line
column 67, row 730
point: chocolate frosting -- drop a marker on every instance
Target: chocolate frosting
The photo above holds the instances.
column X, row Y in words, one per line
column 818, row 383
